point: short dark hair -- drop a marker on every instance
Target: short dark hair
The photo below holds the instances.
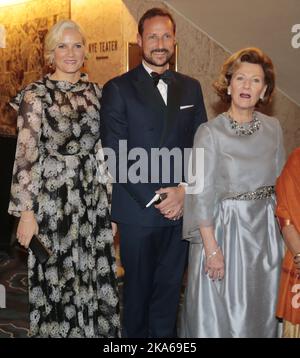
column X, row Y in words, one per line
column 251, row 55
column 155, row 11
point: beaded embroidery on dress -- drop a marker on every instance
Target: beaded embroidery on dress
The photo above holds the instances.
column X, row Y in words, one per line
column 246, row 128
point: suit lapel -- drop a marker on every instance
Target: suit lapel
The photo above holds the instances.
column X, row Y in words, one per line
column 174, row 94
column 147, row 92
column 151, row 97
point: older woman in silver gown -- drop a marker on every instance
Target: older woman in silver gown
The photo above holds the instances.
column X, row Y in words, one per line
column 235, row 243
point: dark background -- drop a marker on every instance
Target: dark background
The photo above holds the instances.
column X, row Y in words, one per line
column 7, row 156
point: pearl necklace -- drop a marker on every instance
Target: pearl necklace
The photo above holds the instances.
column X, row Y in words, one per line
column 242, row 130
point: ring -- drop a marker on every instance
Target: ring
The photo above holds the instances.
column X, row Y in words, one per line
column 169, row 211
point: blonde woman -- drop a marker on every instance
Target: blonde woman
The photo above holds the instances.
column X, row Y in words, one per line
column 56, row 194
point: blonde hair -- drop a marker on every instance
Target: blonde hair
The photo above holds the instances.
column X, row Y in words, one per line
column 54, row 35
column 251, row 55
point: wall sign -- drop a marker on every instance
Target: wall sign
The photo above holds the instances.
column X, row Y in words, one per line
column 102, row 49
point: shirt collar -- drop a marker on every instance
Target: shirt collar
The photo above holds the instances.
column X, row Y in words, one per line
column 147, row 68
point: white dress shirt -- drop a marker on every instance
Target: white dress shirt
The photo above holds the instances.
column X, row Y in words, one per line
column 162, row 86
column 163, row 89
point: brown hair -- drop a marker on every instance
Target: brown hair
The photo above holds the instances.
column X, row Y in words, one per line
column 149, row 14
column 251, row 55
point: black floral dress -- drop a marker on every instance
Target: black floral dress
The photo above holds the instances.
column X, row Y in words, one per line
column 57, row 175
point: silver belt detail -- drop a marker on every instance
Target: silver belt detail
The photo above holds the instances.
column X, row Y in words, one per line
column 260, row 193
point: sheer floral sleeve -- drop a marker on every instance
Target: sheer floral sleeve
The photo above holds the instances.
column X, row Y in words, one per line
column 103, row 175
column 26, row 172
column 102, row 170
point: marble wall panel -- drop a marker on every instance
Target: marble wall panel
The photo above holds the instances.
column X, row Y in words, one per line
column 22, row 61
column 103, row 22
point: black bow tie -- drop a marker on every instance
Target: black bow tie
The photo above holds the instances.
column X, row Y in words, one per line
column 166, row 77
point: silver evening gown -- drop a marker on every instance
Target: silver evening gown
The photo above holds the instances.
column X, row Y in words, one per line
column 238, row 200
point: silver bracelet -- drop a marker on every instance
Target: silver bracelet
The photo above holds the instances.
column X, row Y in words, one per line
column 213, row 253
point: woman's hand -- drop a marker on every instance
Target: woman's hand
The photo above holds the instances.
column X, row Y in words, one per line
column 297, row 263
column 214, row 265
column 292, row 239
column 27, row 227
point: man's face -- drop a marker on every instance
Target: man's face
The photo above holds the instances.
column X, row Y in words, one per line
column 158, row 41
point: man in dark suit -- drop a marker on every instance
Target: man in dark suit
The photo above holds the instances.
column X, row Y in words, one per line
column 151, row 107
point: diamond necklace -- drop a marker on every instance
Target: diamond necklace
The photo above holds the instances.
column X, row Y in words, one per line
column 240, row 130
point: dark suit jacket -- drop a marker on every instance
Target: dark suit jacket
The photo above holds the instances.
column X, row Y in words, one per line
column 132, row 109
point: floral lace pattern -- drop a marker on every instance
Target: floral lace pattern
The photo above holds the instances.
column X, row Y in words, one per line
column 55, row 174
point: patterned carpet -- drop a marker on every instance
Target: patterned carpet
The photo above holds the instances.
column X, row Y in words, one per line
column 14, row 319
column 13, row 276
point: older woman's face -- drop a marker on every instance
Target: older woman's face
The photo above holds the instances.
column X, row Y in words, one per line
column 69, row 53
column 247, row 86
